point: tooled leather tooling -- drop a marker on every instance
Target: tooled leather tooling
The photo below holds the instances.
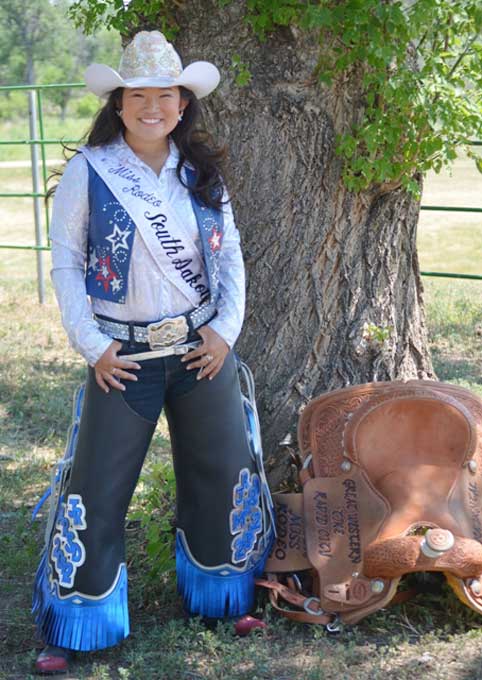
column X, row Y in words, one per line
column 392, row 484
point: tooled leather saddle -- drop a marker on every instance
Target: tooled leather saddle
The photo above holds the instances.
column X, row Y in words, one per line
column 392, row 484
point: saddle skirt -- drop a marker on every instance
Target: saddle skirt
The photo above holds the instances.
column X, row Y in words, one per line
column 392, row 484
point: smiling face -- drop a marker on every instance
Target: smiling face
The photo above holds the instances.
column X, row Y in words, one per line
column 151, row 113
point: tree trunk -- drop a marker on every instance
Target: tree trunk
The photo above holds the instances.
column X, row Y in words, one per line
column 30, row 68
column 330, row 273
column 67, row 94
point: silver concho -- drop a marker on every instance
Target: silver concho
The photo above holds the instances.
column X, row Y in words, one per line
column 167, row 332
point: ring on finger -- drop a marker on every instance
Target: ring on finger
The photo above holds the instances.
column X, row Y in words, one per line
column 114, row 371
column 209, row 357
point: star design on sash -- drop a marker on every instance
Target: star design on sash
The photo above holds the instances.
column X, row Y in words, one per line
column 215, row 240
column 118, row 238
column 106, row 274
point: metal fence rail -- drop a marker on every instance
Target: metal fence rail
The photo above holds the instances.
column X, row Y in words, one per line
column 37, row 139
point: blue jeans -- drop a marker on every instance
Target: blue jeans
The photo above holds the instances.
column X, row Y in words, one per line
column 157, row 381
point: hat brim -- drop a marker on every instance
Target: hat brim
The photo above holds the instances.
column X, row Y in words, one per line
column 201, row 77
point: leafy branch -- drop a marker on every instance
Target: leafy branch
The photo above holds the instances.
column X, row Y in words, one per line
column 417, row 69
column 126, row 16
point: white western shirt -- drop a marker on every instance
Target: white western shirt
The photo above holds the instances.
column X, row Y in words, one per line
column 150, row 295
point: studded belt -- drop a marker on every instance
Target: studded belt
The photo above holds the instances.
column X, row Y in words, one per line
column 159, row 334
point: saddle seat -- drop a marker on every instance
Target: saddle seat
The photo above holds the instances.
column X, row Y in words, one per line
column 392, row 483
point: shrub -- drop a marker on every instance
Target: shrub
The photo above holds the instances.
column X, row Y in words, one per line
column 87, row 106
column 157, row 518
column 13, row 105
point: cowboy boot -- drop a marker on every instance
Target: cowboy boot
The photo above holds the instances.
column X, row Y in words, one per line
column 52, row 661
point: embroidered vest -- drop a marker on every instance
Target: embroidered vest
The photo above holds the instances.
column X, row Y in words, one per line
column 111, row 235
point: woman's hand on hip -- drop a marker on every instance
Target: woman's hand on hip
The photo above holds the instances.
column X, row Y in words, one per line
column 110, row 368
column 209, row 356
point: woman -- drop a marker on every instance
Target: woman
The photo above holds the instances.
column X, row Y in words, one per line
column 141, row 224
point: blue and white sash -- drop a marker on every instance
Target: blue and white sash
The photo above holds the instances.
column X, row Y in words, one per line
column 168, row 241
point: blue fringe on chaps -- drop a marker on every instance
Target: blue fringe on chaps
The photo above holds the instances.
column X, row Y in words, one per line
column 224, row 510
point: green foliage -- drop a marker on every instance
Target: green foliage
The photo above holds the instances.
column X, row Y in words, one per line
column 157, row 520
column 125, row 16
column 415, row 69
column 12, row 104
column 87, row 106
column 28, row 52
column 26, row 30
column 376, row 336
column 54, row 74
column 243, row 75
column 265, row 15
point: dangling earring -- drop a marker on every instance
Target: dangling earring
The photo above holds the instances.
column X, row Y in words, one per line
column 119, row 112
column 180, row 117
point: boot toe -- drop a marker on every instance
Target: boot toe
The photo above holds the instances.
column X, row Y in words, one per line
column 246, row 624
column 51, row 664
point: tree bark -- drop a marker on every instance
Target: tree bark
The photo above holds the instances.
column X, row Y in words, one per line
column 322, row 262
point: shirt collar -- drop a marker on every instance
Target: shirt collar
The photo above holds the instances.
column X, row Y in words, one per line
column 124, row 152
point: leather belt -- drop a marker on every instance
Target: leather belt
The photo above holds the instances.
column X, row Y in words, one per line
column 159, row 334
column 165, row 352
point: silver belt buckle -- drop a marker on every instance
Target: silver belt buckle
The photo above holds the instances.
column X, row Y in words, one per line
column 167, row 332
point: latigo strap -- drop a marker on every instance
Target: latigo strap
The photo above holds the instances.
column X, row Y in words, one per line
column 392, row 484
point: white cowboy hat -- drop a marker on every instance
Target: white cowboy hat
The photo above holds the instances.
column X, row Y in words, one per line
column 150, row 61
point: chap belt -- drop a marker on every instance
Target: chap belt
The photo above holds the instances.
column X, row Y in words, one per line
column 392, row 484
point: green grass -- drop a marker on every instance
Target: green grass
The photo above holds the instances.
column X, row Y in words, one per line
column 452, row 241
column 454, row 316
column 458, row 246
column 433, row 636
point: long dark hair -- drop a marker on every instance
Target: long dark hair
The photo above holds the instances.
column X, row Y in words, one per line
column 194, row 143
